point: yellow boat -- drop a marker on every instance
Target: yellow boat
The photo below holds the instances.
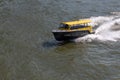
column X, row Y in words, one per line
column 72, row 29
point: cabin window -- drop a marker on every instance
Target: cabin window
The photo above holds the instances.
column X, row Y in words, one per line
column 76, row 27
column 64, row 26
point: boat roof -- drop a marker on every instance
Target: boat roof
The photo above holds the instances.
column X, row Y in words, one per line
column 81, row 21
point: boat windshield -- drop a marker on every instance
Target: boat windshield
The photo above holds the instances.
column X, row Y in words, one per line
column 64, row 26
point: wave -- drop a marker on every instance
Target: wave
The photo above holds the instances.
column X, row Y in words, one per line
column 107, row 28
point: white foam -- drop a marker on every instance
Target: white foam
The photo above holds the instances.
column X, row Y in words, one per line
column 96, row 21
column 108, row 29
column 115, row 13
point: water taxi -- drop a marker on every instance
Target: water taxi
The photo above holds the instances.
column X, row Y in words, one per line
column 72, row 29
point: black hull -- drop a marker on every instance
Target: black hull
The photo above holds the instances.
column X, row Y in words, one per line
column 66, row 35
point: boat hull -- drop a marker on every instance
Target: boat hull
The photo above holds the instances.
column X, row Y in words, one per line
column 68, row 35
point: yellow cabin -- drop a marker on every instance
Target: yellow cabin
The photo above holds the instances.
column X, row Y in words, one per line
column 83, row 24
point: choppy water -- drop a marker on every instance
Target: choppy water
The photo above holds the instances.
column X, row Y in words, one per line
column 28, row 50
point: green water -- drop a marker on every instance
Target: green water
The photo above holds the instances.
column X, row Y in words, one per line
column 28, row 50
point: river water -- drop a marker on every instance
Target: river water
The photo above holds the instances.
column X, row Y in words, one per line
column 28, row 50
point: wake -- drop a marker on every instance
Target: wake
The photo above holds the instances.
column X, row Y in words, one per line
column 107, row 28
